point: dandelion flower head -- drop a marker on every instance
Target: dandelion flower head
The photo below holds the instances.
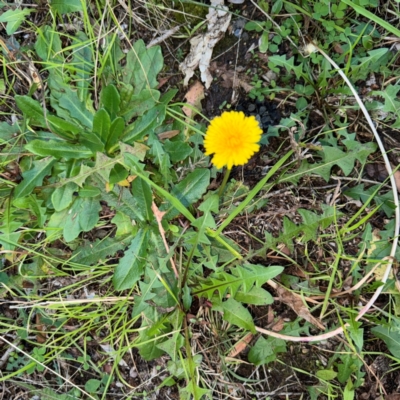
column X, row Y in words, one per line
column 232, row 138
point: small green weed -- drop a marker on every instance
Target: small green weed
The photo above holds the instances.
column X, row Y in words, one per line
column 116, row 241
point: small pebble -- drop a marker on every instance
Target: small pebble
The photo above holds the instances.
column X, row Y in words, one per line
column 251, row 107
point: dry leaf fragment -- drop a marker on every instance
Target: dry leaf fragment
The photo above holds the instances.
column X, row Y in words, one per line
column 202, row 45
column 295, row 302
column 397, row 179
column 278, row 325
column 159, row 216
column 393, row 396
column 168, row 134
column 338, row 48
column 193, row 97
column 164, row 36
column 240, row 345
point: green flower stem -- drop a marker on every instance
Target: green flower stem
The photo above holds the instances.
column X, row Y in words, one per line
column 223, row 184
column 260, row 185
column 183, row 210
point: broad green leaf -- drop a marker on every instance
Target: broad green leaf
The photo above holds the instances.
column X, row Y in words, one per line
column 76, row 109
column 236, row 314
column 264, row 41
column 149, row 351
column 62, row 196
column 123, row 223
column 172, row 346
column 34, row 177
column 91, row 141
column 116, row 131
column 71, row 225
column 118, row 174
column 181, row 367
column 177, row 150
column 92, row 385
column 8, row 132
column 348, row 391
column 391, row 337
column 31, row 109
column 131, row 266
column 266, row 350
column 66, row 102
column 48, row 44
column 277, row 7
column 143, row 66
column 359, row 192
column 82, row 216
column 83, row 63
column 380, row 246
column 65, row 7
column 110, row 100
column 256, row 296
column 144, row 125
column 257, row 26
column 139, row 103
column 9, row 240
column 165, row 299
column 356, row 334
column 143, row 198
column 95, row 252
column 89, row 191
column 312, row 222
column 210, row 205
column 142, row 102
column 89, row 214
column 168, row 96
column 160, row 157
column 121, row 199
column 101, row 125
column 14, row 19
column 334, row 156
column 326, row 374
column 190, row 189
column 55, row 225
column 35, row 207
column 62, row 127
column 58, row 149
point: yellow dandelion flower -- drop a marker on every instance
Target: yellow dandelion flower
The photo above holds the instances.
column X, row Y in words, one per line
column 232, row 138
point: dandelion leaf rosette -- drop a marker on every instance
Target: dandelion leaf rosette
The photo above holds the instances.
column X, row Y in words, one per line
column 242, row 278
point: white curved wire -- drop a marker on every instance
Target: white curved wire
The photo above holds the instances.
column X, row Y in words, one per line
column 310, row 48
